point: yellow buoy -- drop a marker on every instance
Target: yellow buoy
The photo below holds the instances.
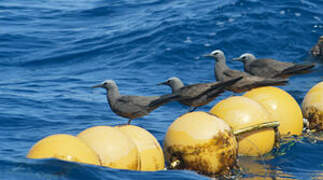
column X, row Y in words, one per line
column 114, row 148
column 312, row 107
column 64, row 147
column 151, row 154
column 282, row 107
column 201, row 142
column 241, row 112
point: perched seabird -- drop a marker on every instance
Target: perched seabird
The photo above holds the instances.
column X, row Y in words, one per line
column 224, row 73
column 317, row 49
column 132, row 107
column 196, row 95
column 271, row 68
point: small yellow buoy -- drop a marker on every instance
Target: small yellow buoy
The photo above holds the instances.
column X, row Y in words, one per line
column 312, row 107
column 64, row 147
column 150, row 152
column 282, row 107
column 241, row 112
column 201, row 142
column 114, row 148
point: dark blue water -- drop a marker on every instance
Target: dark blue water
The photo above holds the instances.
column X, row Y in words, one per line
column 52, row 52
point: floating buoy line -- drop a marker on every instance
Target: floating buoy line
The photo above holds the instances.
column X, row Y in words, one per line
column 209, row 143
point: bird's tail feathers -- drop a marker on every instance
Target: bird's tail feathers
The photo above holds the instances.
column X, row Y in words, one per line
column 163, row 100
column 297, row 69
column 227, row 83
column 221, row 86
column 271, row 82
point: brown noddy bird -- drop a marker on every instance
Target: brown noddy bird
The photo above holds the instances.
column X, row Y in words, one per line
column 271, row 68
column 317, row 49
column 223, row 73
column 132, row 107
column 196, row 95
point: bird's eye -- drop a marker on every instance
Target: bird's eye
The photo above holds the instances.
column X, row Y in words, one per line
column 244, row 57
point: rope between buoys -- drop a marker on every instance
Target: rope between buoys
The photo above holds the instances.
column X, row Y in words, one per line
column 256, row 127
column 273, row 125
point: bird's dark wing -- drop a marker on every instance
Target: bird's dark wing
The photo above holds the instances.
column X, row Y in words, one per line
column 208, row 89
column 194, row 90
column 230, row 73
column 250, row 81
column 267, row 67
column 140, row 101
column 133, row 104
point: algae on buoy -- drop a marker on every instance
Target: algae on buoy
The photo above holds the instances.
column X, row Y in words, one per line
column 201, row 142
column 282, row 107
column 64, row 147
column 312, row 107
column 115, row 149
column 241, row 112
column 150, row 152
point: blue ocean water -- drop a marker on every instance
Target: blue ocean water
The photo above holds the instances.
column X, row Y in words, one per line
column 52, row 52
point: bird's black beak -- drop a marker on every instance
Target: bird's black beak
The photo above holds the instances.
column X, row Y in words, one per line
column 98, row 86
column 207, row 55
column 211, row 55
column 163, row 83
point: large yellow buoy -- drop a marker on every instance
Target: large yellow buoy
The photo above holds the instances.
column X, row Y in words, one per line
column 114, row 148
column 64, row 147
column 201, row 142
column 241, row 112
column 150, row 152
column 282, row 107
column 312, row 107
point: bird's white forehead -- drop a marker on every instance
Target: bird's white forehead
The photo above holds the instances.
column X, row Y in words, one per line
column 108, row 82
column 173, row 79
column 245, row 54
column 217, row 51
